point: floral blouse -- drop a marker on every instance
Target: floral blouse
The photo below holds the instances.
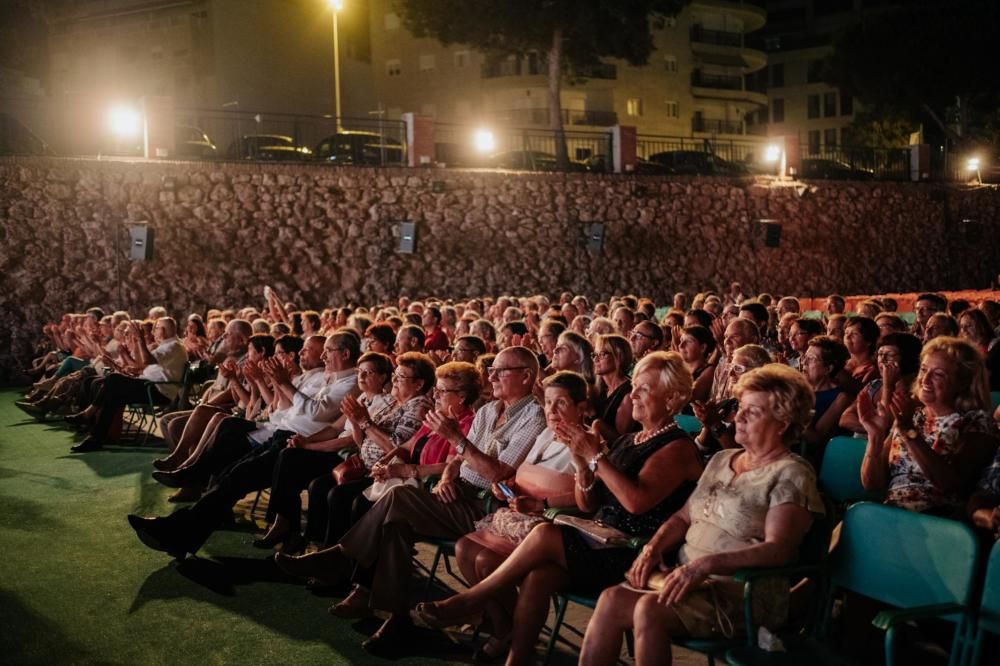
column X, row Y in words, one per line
column 909, row 487
column 399, row 422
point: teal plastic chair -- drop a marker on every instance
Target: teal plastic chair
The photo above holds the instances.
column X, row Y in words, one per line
column 908, row 317
column 689, row 424
column 996, row 399
column 988, row 616
column 840, row 474
column 923, row 566
column 812, row 314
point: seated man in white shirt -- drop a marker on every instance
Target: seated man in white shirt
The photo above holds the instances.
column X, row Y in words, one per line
column 165, row 363
column 186, row 530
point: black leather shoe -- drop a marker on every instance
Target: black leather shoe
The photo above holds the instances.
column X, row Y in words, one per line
column 159, row 534
column 78, row 420
column 29, row 407
column 179, row 478
column 88, row 445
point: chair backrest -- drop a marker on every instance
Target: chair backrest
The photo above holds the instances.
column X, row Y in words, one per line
column 989, row 607
column 840, row 474
column 903, row 558
column 689, row 424
column 996, row 398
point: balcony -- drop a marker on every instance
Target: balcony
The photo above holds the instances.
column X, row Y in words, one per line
column 752, row 12
column 725, row 48
column 730, row 87
column 588, row 117
column 716, row 126
column 533, row 65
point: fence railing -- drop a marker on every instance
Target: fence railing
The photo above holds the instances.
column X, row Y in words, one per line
column 858, row 162
column 515, row 148
column 718, row 37
column 731, row 150
column 716, row 125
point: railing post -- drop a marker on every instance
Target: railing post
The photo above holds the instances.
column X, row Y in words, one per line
column 920, row 162
column 792, row 153
column 419, row 139
column 623, row 148
column 158, row 127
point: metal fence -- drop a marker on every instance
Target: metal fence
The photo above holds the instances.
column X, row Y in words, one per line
column 464, row 145
column 731, row 150
column 863, row 163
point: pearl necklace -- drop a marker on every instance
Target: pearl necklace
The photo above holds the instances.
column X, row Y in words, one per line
column 642, row 438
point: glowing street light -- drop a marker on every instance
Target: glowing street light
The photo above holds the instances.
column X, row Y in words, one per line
column 336, row 6
column 124, row 122
column 484, row 141
column 776, row 153
column 972, row 164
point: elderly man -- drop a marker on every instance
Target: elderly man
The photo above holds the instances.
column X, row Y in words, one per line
column 163, row 364
column 645, row 337
column 409, row 338
column 380, row 544
column 739, row 332
column 186, row 530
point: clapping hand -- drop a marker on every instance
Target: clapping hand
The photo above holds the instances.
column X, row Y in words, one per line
column 585, row 443
column 718, row 329
column 444, row 425
column 354, row 410
column 902, row 407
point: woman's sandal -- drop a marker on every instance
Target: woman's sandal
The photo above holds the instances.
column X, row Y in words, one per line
column 491, row 650
column 426, row 614
column 355, row 606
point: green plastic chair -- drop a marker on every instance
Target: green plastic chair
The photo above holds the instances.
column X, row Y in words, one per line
column 908, row 317
column 988, row 616
column 140, row 418
column 688, row 423
column 840, row 474
column 812, row 314
column 922, row 565
column 996, row 399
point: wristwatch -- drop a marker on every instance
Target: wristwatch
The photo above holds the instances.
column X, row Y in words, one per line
column 910, row 433
column 592, row 463
column 460, row 447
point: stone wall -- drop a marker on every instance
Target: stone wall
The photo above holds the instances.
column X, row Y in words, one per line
column 324, row 235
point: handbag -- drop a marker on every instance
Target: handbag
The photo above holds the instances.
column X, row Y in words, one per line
column 351, row 469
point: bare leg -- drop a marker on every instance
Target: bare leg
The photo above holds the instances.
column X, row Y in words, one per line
column 654, row 625
column 476, row 562
column 532, row 610
column 543, row 546
column 192, row 433
column 466, row 551
column 612, row 617
column 207, row 437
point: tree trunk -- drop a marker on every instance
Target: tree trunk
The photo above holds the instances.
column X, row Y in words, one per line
column 555, row 103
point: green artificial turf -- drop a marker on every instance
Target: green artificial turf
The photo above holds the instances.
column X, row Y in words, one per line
column 77, row 587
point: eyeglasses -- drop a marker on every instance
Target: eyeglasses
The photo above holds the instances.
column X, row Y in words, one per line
column 737, row 369
column 336, row 349
column 886, row 356
column 438, row 392
column 496, row 370
column 396, row 377
column 600, row 356
column 368, row 373
column 640, row 334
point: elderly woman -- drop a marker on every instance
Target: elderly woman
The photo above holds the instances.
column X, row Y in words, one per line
column 379, row 338
column 600, row 326
column 752, row 508
column 548, row 338
column 974, row 326
column 633, row 486
column 573, row 352
column 926, row 448
column 377, row 427
column 613, row 401
column 861, row 334
column 823, row 360
column 898, row 358
column 544, row 480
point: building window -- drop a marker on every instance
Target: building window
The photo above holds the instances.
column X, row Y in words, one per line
column 633, row 106
column 778, row 75
column 670, row 63
column 846, row 105
column 391, row 21
column 393, row 67
column 830, row 138
column 814, row 142
column 813, row 110
column 673, row 109
column 815, row 72
column 829, row 104
column 778, row 110
column 461, row 59
column 427, row 62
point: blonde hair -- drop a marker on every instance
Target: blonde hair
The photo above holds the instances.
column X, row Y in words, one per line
column 791, row 398
column 468, row 378
column 757, row 355
column 970, row 368
column 672, row 375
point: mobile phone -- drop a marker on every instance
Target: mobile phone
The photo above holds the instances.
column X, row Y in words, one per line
column 507, row 492
column 729, row 407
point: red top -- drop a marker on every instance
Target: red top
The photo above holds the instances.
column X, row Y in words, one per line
column 437, row 449
column 436, row 340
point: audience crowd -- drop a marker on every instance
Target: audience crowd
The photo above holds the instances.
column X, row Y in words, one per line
column 544, row 437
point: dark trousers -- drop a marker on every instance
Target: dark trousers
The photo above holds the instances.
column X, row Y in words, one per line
column 118, row 391
column 332, row 508
column 293, row 472
column 230, row 444
column 251, row 472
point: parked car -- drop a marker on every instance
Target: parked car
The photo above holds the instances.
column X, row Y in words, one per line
column 356, row 147
column 699, row 163
column 600, row 164
column 16, row 139
column 271, row 147
column 529, row 160
column 192, row 143
column 816, row 168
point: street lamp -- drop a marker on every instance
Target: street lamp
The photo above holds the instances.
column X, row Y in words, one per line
column 336, row 6
column 776, row 153
column 973, row 165
column 484, row 141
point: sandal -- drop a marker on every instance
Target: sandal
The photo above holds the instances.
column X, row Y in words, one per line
column 427, row 614
column 355, row 606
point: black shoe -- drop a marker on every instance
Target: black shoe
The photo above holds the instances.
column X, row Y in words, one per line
column 88, row 445
column 78, row 420
column 29, row 407
column 180, row 478
column 160, row 534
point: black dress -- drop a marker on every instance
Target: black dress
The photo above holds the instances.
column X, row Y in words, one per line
column 594, row 569
column 607, row 405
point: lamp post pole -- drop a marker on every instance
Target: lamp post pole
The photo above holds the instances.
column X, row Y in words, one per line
column 336, row 6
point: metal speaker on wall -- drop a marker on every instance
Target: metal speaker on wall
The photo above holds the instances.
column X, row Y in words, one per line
column 595, row 237
column 407, row 237
column 140, row 242
column 772, row 233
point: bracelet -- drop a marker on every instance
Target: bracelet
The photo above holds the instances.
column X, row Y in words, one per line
column 584, row 488
column 364, row 425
